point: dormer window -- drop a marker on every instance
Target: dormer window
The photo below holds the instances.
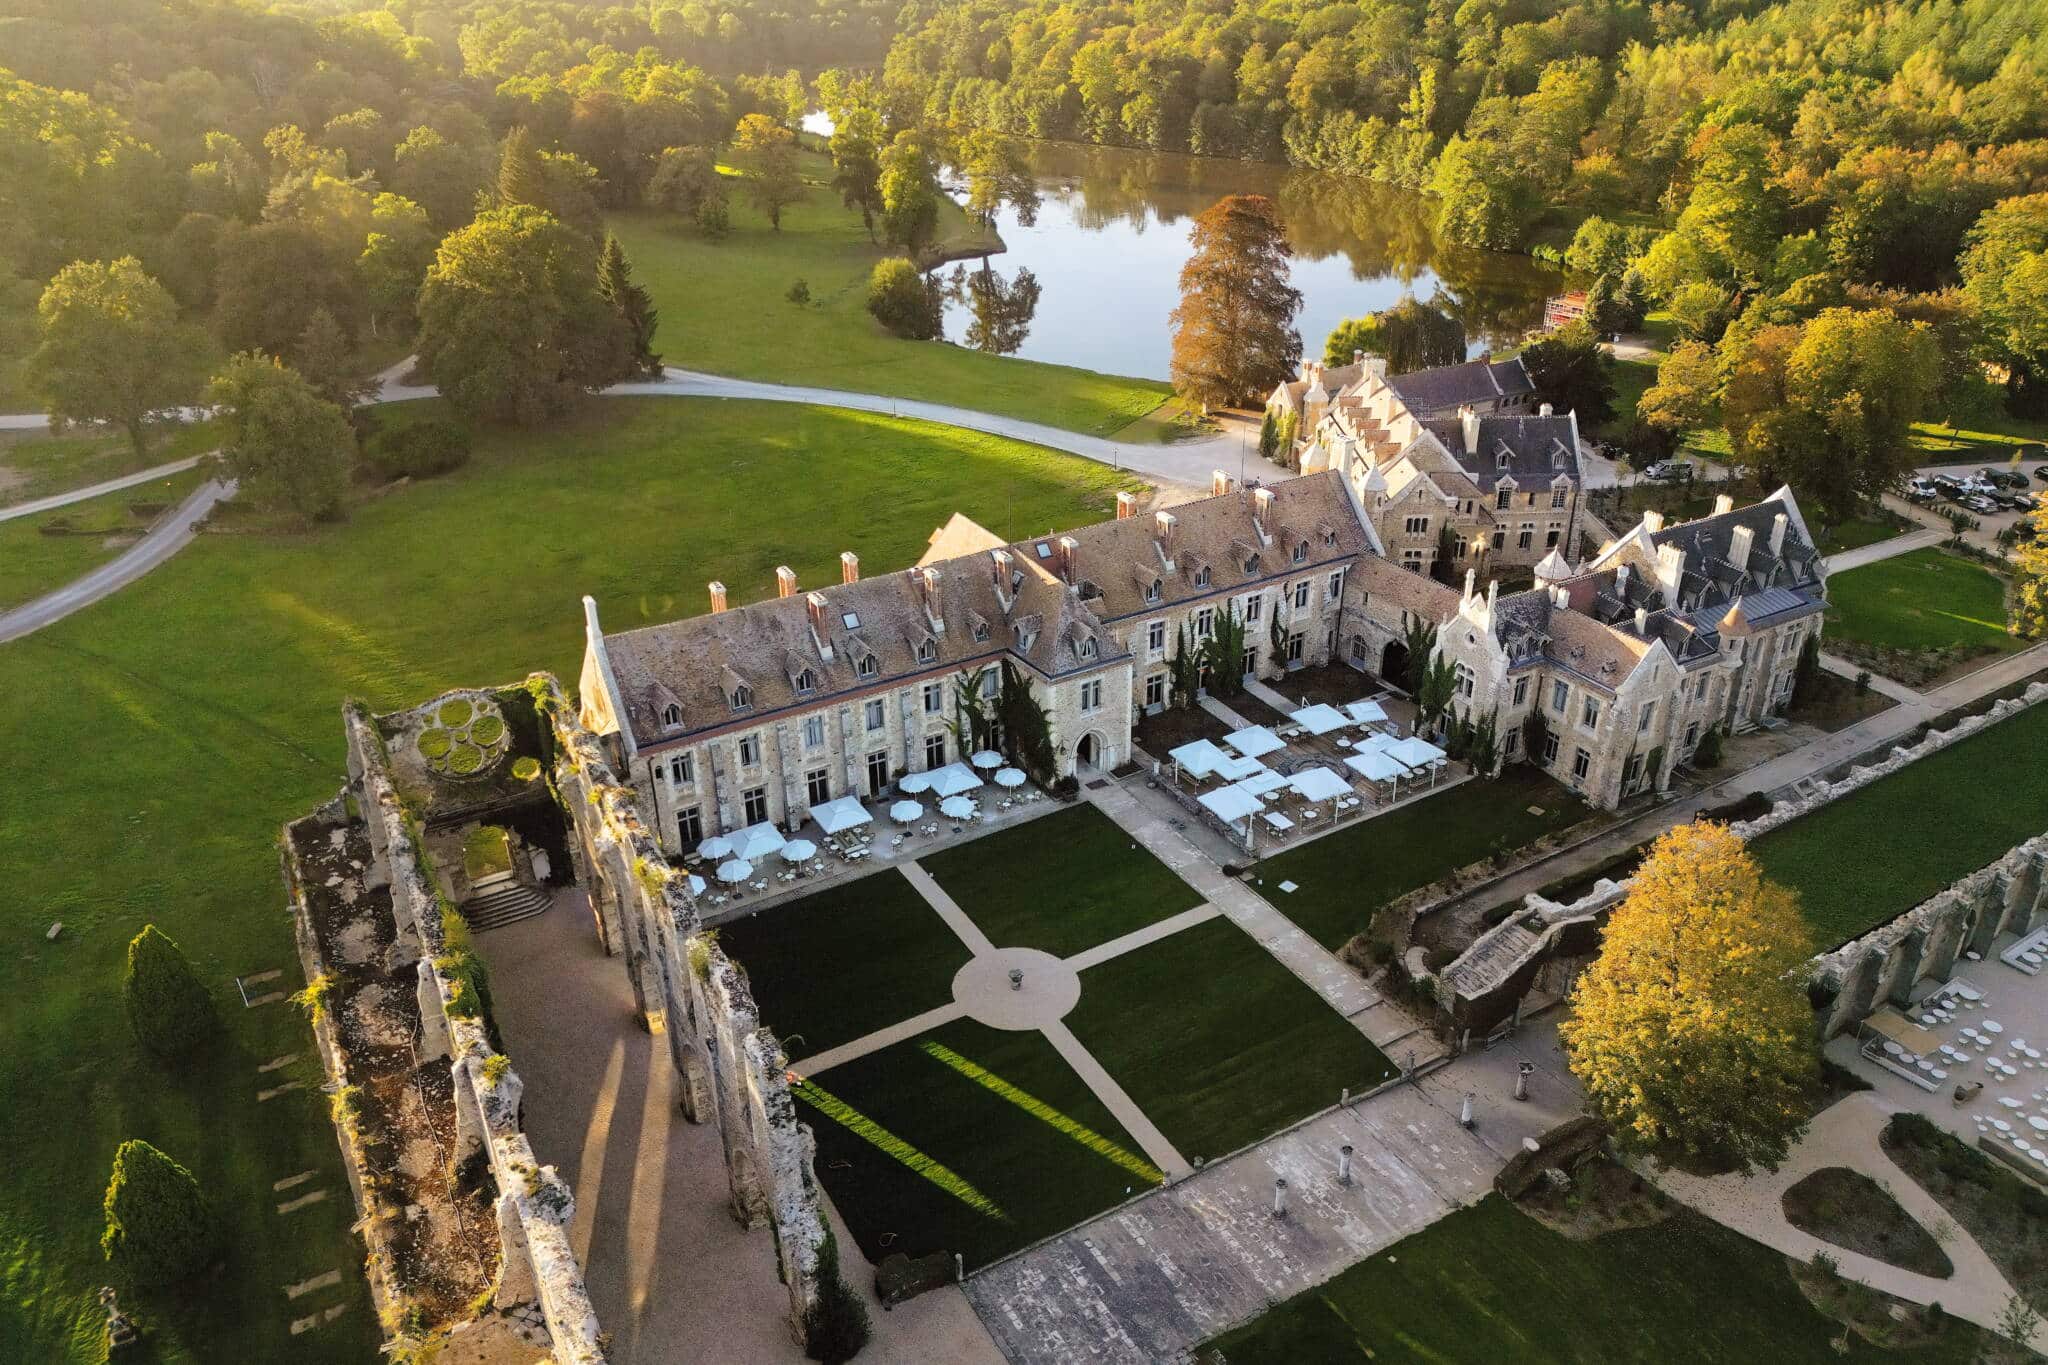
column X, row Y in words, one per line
column 1329, row 536
column 866, row 666
column 806, row 681
column 1251, row 564
column 1152, row 591
column 1087, row 649
column 671, row 715
column 1501, row 460
column 1501, row 497
column 925, row 652
column 1202, row 577
column 980, row 631
column 1301, row 552
column 742, row 697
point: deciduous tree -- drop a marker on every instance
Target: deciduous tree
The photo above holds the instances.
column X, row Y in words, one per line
column 1687, row 390
column 160, row 1228
column 1234, row 336
column 902, row 301
column 2030, row 579
column 909, row 188
column 770, row 152
column 2005, row 273
column 110, row 348
column 1410, row 336
column 1573, row 373
column 289, row 448
column 1692, row 1029
column 857, row 163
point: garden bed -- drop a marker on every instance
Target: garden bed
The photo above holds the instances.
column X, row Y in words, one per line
column 2004, row 1213
column 1854, row 1212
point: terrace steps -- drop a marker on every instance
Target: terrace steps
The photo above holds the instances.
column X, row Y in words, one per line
column 503, row 903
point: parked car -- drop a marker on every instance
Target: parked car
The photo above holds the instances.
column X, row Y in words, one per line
column 1947, row 483
column 1981, row 505
column 1669, row 471
column 2011, row 501
column 1921, row 490
column 2041, row 473
column 2003, row 478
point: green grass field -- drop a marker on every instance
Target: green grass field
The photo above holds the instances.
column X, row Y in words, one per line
column 35, row 464
column 1216, row 1041
column 1490, row 1283
column 966, row 1139
column 1923, row 600
column 1343, row 878
column 169, row 730
column 37, row 563
column 1854, row 535
column 1869, row 856
column 723, row 309
column 840, row 964
column 1060, row 883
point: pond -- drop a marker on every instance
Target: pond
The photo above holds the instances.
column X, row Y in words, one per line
column 1092, row 278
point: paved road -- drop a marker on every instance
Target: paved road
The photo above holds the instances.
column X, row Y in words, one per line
column 56, row 500
column 1885, row 549
column 170, row 535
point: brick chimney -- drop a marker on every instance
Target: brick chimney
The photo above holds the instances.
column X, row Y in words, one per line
column 1126, row 506
column 785, row 581
column 1219, row 483
column 1724, row 504
column 814, row 604
column 717, row 596
column 1162, row 525
column 849, row 567
column 1262, row 503
column 1070, row 558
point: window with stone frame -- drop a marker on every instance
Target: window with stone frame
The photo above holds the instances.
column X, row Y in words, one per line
column 1301, row 591
column 934, row 698
column 689, row 827
column 1091, row 694
column 1465, row 681
column 1416, row 526
column 1560, row 696
column 806, row 682
column 934, row 751
column 878, row 772
column 1525, row 537
column 755, row 803
column 1589, row 714
column 1552, row 536
column 750, row 750
column 1337, row 585
column 1411, row 560
column 1632, row 772
column 682, row 770
column 1503, row 498
column 672, row 716
column 1205, row 623
column 1500, row 540
column 1549, row 750
column 866, row 667
column 1297, row 642
column 818, row 786
column 1645, row 715
column 1360, row 651
column 1254, row 607
column 877, row 714
column 1582, row 763
column 1155, row 636
column 1557, row 497
column 1521, row 691
column 814, row 732
column 1155, row 690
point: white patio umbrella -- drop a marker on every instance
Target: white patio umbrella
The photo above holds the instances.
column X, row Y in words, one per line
column 915, row 782
column 987, row 758
column 697, row 885
column 956, row 808
column 1010, row 777
column 738, row 870
column 798, row 850
column 717, row 846
column 903, row 812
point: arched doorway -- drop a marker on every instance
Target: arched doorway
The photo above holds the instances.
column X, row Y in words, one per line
column 1088, row 753
column 1394, row 664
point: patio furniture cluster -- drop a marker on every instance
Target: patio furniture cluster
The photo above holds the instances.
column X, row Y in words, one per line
column 1275, row 783
column 1952, row 1034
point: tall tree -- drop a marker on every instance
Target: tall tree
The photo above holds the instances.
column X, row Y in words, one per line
column 909, row 187
column 770, row 150
column 857, row 165
column 270, row 279
column 1687, row 390
column 1233, row 334
column 160, row 1228
column 110, row 348
column 441, row 176
column 324, row 356
column 2005, row 273
column 290, row 449
column 522, row 178
column 1410, row 336
column 1573, row 373
column 2030, row 578
column 1692, row 1029
column 633, row 305
column 511, row 324
column 168, row 1005
column 997, row 174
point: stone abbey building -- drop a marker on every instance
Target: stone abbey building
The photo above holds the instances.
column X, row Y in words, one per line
column 760, row 712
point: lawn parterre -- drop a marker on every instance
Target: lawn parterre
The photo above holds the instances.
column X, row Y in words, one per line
column 1490, row 1283
column 1344, row 877
column 837, row 965
column 1061, row 883
column 966, row 1139
column 724, row 309
column 165, row 733
column 1926, row 599
column 1216, row 1041
column 1875, row 853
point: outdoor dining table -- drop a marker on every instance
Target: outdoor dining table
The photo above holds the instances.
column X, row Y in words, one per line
column 2037, row 1123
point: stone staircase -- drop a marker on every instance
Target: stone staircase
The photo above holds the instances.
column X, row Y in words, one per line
column 501, row 901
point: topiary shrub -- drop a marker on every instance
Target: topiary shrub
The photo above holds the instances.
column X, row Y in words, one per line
column 420, row 450
column 526, row 769
column 168, row 1005
column 159, row 1228
column 456, row 711
column 435, row 743
column 836, row 1326
column 1708, row 754
column 487, row 730
column 465, row 759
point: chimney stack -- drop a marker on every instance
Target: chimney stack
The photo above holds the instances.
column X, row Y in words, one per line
column 1070, row 558
column 1262, row 503
column 1126, row 506
column 1778, row 536
column 1643, row 621
column 1741, row 541
column 1219, row 483
column 1163, row 523
column 1653, row 522
column 1471, row 581
column 1468, row 419
column 1621, row 579
column 849, row 567
column 1543, row 410
column 1724, row 504
column 717, row 596
column 1492, row 596
column 785, row 581
column 814, row 603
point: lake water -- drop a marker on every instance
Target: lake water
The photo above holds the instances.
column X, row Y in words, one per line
column 1111, row 233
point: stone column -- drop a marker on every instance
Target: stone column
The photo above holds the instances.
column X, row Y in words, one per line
column 1946, row 942
column 1906, row 969
column 1859, row 992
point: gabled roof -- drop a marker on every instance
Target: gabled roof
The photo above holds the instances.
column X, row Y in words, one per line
column 1431, row 393
column 1533, row 449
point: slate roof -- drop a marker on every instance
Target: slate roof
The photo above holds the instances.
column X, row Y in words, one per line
column 1531, row 448
column 1433, row 393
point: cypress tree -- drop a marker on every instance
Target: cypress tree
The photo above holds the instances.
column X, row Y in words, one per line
column 168, row 1005
column 521, row 179
column 159, row 1227
column 632, row 303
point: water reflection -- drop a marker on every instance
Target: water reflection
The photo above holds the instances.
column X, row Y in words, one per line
column 1092, row 270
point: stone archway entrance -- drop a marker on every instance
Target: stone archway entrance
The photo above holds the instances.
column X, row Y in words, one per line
column 1088, row 754
column 1394, row 664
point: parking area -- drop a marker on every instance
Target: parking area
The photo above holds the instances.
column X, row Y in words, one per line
column 1946, row 488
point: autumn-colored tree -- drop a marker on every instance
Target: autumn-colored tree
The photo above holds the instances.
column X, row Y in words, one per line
column 1693, row 1030
column 1687, row 389
column 2030, row 579
column 770, row 152
column 1234, row 336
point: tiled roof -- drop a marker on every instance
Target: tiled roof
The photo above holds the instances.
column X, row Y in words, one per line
column 1532, row 448
column 1429, row 393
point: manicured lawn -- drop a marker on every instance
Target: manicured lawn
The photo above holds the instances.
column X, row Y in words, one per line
column 36, row 464
column 1060, row 883
column 1854, row 535
column 1021, row 1147
column 1869, row 856
column 165, row 733
column 723, row 309
column 1344, row 877
column 1218, row 1043
column 1490, row 1283
column 1922, row 600
column 36, row 563
column 838, row 965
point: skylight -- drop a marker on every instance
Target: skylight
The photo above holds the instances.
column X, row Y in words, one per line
column 850, row 620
